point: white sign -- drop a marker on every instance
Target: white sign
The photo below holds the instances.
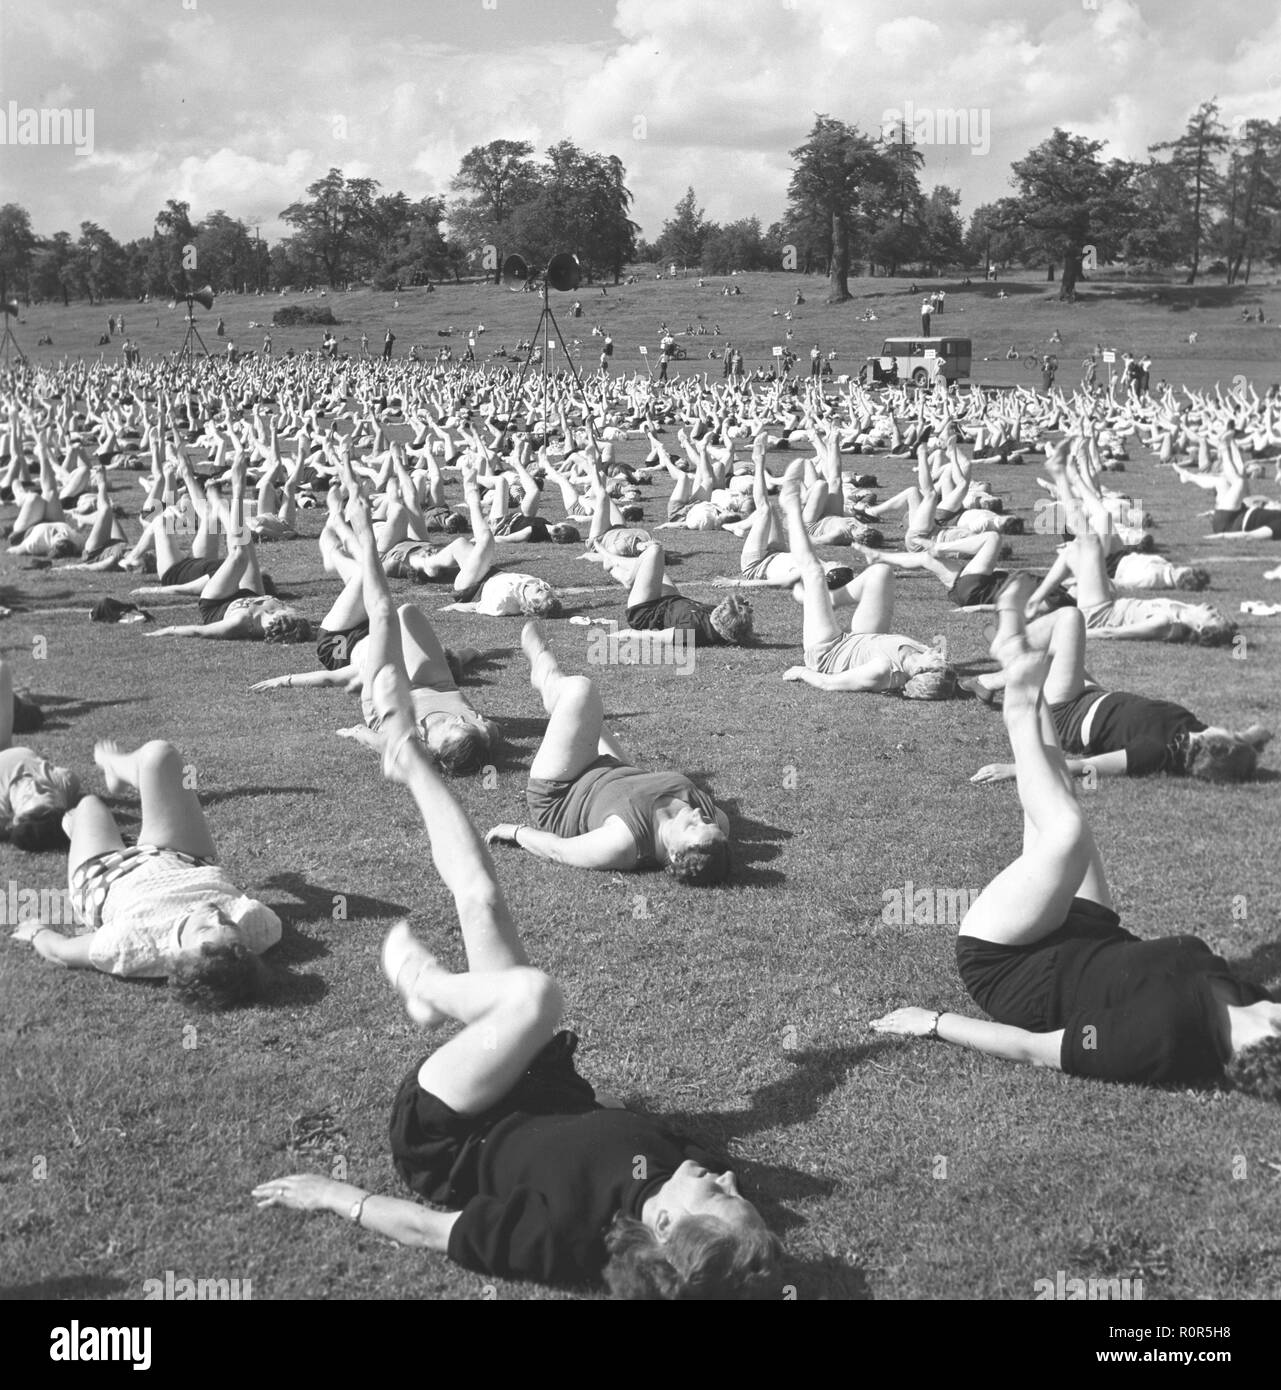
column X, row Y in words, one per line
column 931, row 352
column 644, row 351
column 778, row 352
column 1109, row 354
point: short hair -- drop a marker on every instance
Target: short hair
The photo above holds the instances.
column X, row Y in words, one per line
column 1189, row 578
column 456, row 524
column 287, row 626
column 63, row 546
column 700, row 866
column 1009, row 525
column 544, row 603
column 460, row 747
column 703, row 1258
column 1219, row 757
column 732, row 619
column 38, row 831
column 933, row 679
column 222, row 975
column 1256, row 1070
column 633, row 512
column 564, row 534
column 1215, row 631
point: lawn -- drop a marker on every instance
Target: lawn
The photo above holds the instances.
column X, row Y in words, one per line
column 894, row 1170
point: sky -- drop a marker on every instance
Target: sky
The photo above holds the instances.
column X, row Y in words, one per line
column 240, row 104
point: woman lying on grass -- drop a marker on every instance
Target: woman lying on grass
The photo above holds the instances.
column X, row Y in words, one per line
column 1043, row 953
column 539, row 1178
column 34, row 794
column 655, row 604
column 1129, row 619
column 160, row 909
column 233, row 601
column 1233, row 516
column 1113, row 734
column 592, row 808
column 360, row 631
column 869, row 657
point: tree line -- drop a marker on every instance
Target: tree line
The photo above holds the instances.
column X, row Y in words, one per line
column 1212, row 196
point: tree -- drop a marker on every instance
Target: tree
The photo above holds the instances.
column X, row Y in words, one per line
column 99, row 263
column 225, row 255
column 682, row 237
column 737, row 246
column 989, row 240
column 334, row 227
column 1192, row 159
column 17, row 249
column 581, row 206
column 1069, row 199
column 942, row 239
column 53, row 267
column 835, row 169
column 495, row 180
column 1161, row 238
column 1252, row 197
column 412, row 249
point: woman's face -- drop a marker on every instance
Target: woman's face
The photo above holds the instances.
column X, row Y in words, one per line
column 30, row 794
column 205, row 924
column 689, row 828
column 693, row 1190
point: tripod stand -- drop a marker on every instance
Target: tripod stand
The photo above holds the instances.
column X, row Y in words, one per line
column 187, row 352
column 547, row 322
column 9, row 344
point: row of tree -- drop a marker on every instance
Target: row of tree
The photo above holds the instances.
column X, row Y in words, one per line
column 852, row 198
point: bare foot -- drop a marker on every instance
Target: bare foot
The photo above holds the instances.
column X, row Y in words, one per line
column 533, row 640
column 109, row 756
column 404, row 960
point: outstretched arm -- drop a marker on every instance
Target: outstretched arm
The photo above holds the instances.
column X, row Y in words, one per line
column 993, row 1039
column 407, row 1223
column 610, row 847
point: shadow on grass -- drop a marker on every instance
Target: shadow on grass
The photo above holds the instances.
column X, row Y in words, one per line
column 826, row 1278
column 755, row 843
column 319, row 901
column 787, row 1102
column 69, row 1286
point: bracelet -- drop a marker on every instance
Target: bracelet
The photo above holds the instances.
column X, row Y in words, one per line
column 934, row 1027
column 289, row 680
column 357, row 1208
column 516, row 834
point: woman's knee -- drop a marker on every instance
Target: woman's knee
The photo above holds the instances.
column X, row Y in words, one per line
column 159, row 757
column 533, row 997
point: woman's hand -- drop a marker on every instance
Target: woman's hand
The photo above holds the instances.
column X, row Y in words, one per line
column 504, row 834
column 275, row 683
column 304, row 1192
column 161, row 632
column 794, row 673
column 994, row 772
column 906, row 1023
column 27, row 931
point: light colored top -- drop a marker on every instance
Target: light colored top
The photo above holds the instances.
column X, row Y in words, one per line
column 502, row 594
column 140, row 919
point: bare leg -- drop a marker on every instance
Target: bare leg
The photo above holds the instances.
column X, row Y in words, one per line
column 171, row 813
column 576, row 733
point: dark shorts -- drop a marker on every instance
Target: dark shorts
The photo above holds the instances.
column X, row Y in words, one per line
column 970, row 589
column 1227, row 520
column 92, row 556
column 1263, row 516
column 185, row 571
column 334, row 648
column 544, row 796
column 214, row 610
column 435, row 1149
column 1069, row 718
column 1016, row 984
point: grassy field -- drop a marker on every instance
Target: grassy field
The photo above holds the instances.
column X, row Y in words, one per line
column 893, row 1170
column 1156, row 318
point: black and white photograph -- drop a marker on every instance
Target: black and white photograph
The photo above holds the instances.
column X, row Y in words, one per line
column 640, row 643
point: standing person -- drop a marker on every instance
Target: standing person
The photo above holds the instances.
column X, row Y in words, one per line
column 1049, row 368
column 388, row 343
column 1089, row 371
column 816, row 361
column 222, row 328
column 727, row 361
column 606, row 352
column 941, row 297
column 926, row 309
column 364, row 344
column 266, row 344
column 1143, row 375
column 664, row 357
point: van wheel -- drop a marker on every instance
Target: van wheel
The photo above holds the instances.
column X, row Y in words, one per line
column 920, row 377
